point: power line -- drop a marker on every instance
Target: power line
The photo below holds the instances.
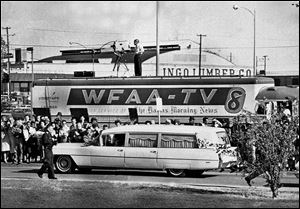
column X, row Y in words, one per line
column 40, row 45
column 74, row 31
column 90, row 32
column 243, row 37
column 287, row 46
column 245, row 47
column 117, row 33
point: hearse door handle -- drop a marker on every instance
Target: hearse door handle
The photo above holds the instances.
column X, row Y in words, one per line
column 120, row 150
column 152, row 151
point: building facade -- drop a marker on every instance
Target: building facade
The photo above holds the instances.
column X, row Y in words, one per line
column 118, row 61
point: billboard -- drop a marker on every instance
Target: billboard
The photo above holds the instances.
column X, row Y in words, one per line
column 178, row 100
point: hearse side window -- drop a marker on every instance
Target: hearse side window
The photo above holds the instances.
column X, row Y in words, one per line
column 114, row 140
column 178, row 141
column 142, row 140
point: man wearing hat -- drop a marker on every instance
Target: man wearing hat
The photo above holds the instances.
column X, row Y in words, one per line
column 138, row 50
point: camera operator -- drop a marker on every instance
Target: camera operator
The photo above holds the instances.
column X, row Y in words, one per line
column 138, row 50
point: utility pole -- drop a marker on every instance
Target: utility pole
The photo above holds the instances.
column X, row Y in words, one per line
column 265, row 64
column 157, row 40
column 200, row 49
column 8, row 62
column 32, row 77
column 256, row 64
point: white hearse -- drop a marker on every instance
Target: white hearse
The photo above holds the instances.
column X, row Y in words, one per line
column 173, row 148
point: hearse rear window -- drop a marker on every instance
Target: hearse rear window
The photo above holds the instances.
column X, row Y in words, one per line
column 178, row 141
column 143, row 140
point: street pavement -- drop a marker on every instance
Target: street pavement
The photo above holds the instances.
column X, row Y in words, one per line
column 21, row 187
column 222, row 182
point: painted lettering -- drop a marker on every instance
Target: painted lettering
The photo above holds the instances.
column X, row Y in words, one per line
column 210, row 72
column 112, row 96
column 178, row 71
column 186, row 72
column 241, row 71
column 224, row 71
column 208, row 98
column 170, row 71
column 248, row 73
column 188, row 94
column 152, row 98
column 235, row 100
column 217, row 72
column 92, row 96
column 133, row 97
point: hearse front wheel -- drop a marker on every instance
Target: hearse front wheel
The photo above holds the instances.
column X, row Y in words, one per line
column 176, row 172
column 64, row 164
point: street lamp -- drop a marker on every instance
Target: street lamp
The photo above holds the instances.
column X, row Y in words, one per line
column 157, row 39
column 71, row 43
column 235, row 7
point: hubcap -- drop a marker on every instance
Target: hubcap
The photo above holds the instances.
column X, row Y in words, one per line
column 176, row 171
column 64, row 163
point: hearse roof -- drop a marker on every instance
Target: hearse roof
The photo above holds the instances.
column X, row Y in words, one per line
column 178, row 129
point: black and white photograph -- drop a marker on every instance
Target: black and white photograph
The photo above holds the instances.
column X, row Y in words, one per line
column 149, row 104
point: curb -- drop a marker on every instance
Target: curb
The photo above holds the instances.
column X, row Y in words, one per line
column 238, row 191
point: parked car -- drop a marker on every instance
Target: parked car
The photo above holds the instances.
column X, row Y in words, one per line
column 176, row 149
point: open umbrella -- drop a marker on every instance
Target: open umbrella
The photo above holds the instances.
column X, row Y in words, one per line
column 278, row 93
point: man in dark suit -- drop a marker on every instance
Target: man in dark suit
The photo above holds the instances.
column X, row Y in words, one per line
column 48, row 141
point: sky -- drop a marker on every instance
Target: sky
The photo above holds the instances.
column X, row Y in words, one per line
column 49, row 26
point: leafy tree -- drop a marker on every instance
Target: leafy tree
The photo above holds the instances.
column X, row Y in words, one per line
column 3, row 47
column 3, row 44
column 3, row 52
column 264, row 146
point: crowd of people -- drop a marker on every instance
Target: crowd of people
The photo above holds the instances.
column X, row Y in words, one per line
column 21, row 138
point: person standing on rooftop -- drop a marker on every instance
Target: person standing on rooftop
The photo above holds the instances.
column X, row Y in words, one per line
column 138, row 50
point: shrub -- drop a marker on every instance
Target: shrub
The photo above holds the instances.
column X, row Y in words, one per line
column 264, row 146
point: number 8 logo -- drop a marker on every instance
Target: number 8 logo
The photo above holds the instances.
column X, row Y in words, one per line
column 235, row 100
